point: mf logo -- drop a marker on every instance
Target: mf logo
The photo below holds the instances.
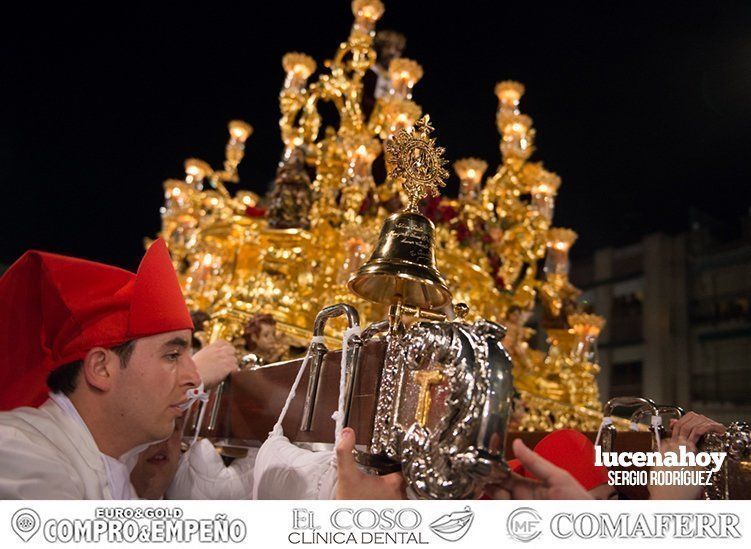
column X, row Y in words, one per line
column 524, row 524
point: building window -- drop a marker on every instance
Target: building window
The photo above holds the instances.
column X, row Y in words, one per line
column 626, row 379
column 722, row 375
column 626, row 317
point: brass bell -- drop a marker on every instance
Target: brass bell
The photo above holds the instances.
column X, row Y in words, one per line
column 403, row 267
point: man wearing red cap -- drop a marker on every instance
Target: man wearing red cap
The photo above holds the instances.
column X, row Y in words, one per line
column 105, row 355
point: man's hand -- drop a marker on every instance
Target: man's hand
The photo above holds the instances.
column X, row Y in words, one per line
column 215, row 362
column 554, row 483
column 693, row 426
column 156, row 466
column 676, row 491
column 352, row 483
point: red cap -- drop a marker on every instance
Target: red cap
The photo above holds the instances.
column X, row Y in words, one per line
column 54, row 309
column 573, row 452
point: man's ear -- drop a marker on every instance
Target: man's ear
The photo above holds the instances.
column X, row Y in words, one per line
column 99, row 367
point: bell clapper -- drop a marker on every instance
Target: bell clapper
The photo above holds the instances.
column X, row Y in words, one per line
column 461, row 310
column 395, row 314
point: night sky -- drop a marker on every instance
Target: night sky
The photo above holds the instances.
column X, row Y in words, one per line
column 644, row 109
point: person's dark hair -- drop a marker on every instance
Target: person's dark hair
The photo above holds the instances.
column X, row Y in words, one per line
column 199, row 318
column 253, row 329
column 63, row 378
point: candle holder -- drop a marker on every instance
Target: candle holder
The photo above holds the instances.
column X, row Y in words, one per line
column 559, row 243
column 509, row 93
column 517, row 137
column 587, row 328
column 298, row 67
column 395, row 115
column 470, row 172
column 196, row 171
column 358, row 178
column 239, row 132
column 543, row 192
column 404, row 73
column 366, row 13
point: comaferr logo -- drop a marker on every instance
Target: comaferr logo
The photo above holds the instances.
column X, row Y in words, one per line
column 658, row 525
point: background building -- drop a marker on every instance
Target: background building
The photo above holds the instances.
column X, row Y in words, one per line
column 679, row 326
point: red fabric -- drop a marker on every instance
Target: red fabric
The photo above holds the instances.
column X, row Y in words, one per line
column 253, row 211
column 516, row 466
column 572, row 451
column 54, row 309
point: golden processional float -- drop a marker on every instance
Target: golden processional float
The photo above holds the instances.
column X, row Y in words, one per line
column 323, row 215
column 437, row 282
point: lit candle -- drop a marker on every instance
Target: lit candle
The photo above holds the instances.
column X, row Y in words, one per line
column 240, row 130
column 298, row 67
column 559, row 243
column 246, row 198
column 404, row 73
column 517, row 137
column 587, row 328
column 518, row 126
column 176, row 196
column 544, row 190
column 470, row 172
column 361, row 157
column 509, row 92
column 366, row 13
column 195, row 172
column 398, row 114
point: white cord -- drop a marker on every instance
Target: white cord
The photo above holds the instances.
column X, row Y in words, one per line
column 277, row 430
column 202, row 396
column 201, row 413
column 606, row 421
column 656, row 424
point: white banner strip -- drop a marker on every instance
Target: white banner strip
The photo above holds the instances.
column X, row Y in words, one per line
column 271, row 524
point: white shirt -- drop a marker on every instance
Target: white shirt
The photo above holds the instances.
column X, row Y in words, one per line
column 118, row 470
column 285, row 471
column 49, row 453
column 202, row 474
